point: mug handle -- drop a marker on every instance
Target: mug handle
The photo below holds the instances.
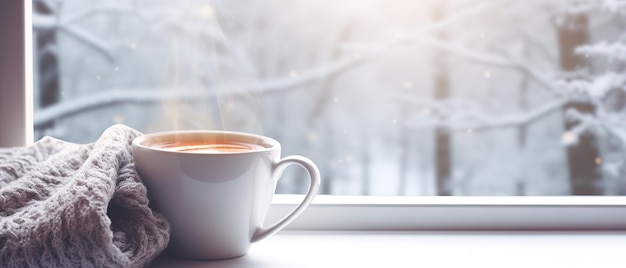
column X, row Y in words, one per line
column 314, row 175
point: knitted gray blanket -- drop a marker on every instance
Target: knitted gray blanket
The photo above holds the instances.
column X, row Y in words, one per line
column 72, row 205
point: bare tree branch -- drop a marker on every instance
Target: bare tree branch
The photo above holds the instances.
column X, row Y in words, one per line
column 50, row 22
column 99, row 10
column 473, row 11
column 44, row 21
column 459, row 51
column 422, row 37
column 65, row 25
column 90, row 40
column 138, row 95
column 493, row 60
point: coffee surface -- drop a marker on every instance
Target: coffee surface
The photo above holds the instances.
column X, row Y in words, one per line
column 201, row 147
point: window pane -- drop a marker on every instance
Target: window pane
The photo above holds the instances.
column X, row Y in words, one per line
column 402, row 97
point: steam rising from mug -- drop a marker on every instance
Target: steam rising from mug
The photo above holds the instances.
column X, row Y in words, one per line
column 201, row 86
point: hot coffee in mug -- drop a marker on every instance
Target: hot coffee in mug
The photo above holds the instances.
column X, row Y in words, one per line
column 215, row 188
column 207, row 147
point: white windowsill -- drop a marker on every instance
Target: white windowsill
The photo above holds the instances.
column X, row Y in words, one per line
column 426, row 249
column 379, row 213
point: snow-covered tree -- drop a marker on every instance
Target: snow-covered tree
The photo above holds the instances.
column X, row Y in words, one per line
column 599, row 87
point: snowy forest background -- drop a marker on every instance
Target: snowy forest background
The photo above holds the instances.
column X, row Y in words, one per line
column 388, row 97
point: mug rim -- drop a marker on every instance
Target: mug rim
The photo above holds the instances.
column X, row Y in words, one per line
column 140, row 141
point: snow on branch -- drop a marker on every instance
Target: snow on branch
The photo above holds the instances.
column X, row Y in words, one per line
column 316, row 74
column 615, row 51
column 518, row 119
column 112, row 97
column 598, row 87
column 138, row 95
column 582, row 7
column 480, row 120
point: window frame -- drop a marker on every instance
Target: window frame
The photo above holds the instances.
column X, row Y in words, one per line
column 328, row 212
column 16, row 100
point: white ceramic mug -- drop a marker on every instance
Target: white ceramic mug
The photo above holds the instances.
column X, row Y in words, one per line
column 216, row 202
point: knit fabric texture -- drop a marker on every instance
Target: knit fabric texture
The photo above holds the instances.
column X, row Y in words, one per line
column 77, row 205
